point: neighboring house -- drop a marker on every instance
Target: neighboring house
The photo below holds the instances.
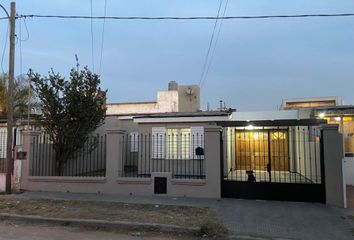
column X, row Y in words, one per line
column 177, row 99
column 334, row 112
column 184, row 98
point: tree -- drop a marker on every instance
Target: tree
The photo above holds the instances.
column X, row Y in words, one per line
column 71, row 110
column 21, row 96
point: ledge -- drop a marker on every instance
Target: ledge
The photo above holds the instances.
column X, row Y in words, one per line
column 130, row 180
column 69, row 179
column 191, row 182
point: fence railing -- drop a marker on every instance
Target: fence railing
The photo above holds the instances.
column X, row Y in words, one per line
column 286, row 154
column 89, row 161
column 3, row 141
column 182, row 155
column 17, row 140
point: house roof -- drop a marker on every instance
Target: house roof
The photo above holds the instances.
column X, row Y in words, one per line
column 179, row 117
column 184, row 114
column 336, row 110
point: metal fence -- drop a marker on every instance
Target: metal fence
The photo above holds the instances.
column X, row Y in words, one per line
column 286, row 154
column 3, row 141
column 17, row 140
column 89, row 161
column 182, row 155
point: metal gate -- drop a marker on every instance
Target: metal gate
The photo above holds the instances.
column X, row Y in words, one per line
column 275, row 160
column 17, row 140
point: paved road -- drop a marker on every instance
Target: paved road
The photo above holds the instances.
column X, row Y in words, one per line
column 16, row 231
column 288, row 220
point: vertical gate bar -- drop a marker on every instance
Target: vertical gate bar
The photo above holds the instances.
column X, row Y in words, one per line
column 315, row 140
column 122, row 148
column 43, row 167
column 269, row 157
column 234, row 138
column 305, row 157
column 92, row 156
column 100, row 159
column 142, row 159
column 323, row 179
column 310, row 148
column 221, row 137
column 285, row 137
column 149, row 153
column 278, row 159
column 264, row 156
column 291, row 133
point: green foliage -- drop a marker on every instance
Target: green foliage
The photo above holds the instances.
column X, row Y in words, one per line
column 21, row 94
column 71, row 110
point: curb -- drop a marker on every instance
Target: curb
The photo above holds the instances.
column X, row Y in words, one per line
column 103, row 224
column 247, row 237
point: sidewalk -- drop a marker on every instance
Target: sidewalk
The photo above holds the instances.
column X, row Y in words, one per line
column 273, row 220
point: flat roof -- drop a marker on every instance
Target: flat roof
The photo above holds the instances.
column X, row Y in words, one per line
column 123, row 103
column 184, row 114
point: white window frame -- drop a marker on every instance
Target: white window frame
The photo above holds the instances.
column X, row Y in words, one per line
column 134, row 142
column 179, row 151
column 160, row 143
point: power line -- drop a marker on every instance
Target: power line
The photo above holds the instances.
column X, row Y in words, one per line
column 92, row 49
column 184, row 18
column 215, row 44
column 210, row 44
column 4, row 49
column 27, row 32
column 103, row 28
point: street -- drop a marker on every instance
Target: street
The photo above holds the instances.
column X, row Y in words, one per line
column 20, row 231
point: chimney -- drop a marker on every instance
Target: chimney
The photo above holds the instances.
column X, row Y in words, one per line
column 172, row 86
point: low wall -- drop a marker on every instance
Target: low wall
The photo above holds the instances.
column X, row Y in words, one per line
column 112, row 184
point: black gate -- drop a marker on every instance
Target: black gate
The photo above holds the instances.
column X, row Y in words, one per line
column 275, row 160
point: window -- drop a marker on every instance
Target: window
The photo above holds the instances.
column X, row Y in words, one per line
column 134, row 142
column 348, row 132
column 177, row 143
column 158, row 142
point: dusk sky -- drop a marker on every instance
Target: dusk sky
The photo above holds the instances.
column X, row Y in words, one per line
column 256, row 63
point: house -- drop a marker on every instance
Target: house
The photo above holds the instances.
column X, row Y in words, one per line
column 172, row 148
column 334, row 112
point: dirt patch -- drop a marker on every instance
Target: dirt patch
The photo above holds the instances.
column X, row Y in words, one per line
column 143, row 213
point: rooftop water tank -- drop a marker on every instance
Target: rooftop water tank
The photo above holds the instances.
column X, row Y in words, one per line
column 172, row 86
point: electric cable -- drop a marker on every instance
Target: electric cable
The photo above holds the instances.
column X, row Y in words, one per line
column 4, row 49
column 92, row 42
column 215, row 44
column 210, row 43
column 184, row 18
column 102, row 38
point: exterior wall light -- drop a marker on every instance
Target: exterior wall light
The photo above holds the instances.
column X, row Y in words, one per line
column 250, row 127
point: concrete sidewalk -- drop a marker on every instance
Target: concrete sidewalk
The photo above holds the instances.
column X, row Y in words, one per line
column 268, row 219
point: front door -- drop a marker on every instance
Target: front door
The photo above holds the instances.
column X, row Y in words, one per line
column 262, row 150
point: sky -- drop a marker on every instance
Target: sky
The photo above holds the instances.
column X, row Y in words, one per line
column 256, row 63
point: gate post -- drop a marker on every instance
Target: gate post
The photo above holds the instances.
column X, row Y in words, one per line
column 333, row 166
column 113, row 158
column 213, row 159
column 27, row 163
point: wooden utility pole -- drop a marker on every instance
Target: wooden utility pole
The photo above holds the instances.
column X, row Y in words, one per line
column 10, row 104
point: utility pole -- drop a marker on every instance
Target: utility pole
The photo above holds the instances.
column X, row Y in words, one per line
column 9, row 144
